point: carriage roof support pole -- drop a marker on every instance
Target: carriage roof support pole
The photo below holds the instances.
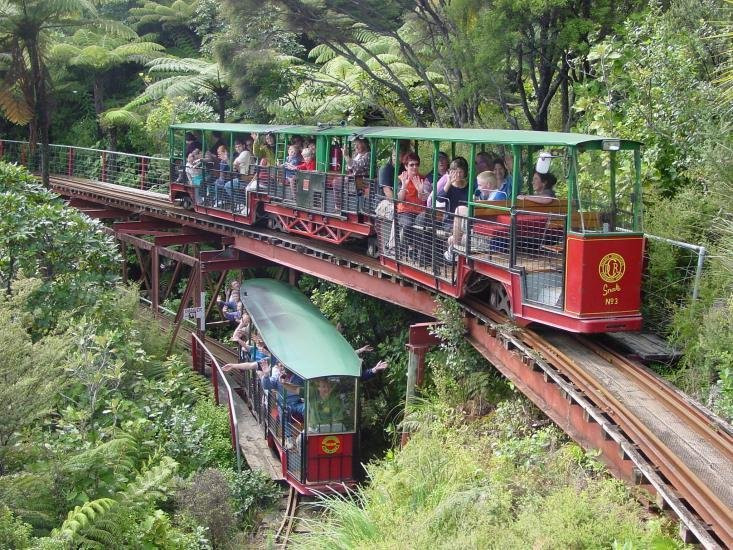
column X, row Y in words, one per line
column 396, row 165
column 471, row 178
column 516, row 172
column 372, row 159
column 436, row 152
column 638, row 205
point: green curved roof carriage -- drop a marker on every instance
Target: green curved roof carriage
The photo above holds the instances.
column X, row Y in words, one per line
column 296, row 332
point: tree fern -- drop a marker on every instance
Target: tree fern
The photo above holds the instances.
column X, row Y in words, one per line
column 151, row 484
column 82, row 518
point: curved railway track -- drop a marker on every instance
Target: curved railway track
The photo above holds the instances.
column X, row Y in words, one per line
column 682, row 486
column 282, row 535
column 660, row 461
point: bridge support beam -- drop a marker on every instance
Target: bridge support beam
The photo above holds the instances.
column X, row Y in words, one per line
column 419, row 342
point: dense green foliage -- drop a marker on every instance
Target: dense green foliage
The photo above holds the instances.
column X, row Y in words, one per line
column 506, row 481
column 84, row 438
column 103, row 438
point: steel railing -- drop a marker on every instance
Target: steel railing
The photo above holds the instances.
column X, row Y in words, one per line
column 201, row 353
column 138, row 171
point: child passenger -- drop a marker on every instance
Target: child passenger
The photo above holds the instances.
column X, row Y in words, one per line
column 489, row 187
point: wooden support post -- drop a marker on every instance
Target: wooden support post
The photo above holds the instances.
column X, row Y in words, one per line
column 293, row 276
column 143, row 269
column 215, row 294
column 187, row 293
column 174, row 279
column 123, row 253
column 412, row 368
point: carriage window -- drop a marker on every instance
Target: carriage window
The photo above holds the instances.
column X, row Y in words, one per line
column 606, row 200
column 331, row 404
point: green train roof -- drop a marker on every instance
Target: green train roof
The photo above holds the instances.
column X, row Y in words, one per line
column 296, row 332
column 458, row 135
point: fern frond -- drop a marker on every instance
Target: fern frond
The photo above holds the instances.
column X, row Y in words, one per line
column 151, row 484
column 322, row 53
column 120, row 118
column 82, row 517
column 138, row 49
column 15, row 107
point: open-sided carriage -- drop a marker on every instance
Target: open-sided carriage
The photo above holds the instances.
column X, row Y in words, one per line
column 309, row 411
column 573, row 261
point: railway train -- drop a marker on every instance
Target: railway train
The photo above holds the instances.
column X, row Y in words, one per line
column 310, row 420
column 571, row 258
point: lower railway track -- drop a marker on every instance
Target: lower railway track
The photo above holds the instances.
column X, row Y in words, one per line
column 648, row 432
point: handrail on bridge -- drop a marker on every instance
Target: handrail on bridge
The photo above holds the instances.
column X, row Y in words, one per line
column 90, row 149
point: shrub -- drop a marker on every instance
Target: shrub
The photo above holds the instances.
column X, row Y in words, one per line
column 251, row 490
column 14, row 533
column 487, row 484
column 208, row 499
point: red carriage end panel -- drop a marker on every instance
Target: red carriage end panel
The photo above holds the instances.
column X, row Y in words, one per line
column 330, row 457
column 603, row 275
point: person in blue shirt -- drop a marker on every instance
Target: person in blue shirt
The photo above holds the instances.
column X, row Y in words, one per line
column 223, row 182
column 489, row 188
column 503, row 176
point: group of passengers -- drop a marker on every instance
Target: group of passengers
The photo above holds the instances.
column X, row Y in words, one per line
column 415, row 193
column 273, row 375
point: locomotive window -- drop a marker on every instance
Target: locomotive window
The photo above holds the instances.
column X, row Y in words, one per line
column 331, row 404
column 605, row 199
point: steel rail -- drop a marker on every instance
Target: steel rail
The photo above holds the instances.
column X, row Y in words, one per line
column 282, row 535
column 703, row 422
column 686, row 483
column 634, row 438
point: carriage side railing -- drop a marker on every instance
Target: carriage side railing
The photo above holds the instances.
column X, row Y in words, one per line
column 149, row 173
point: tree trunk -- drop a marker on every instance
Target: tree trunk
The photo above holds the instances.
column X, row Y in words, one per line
column 40, row 107
column 99, row 103
column 221, row 99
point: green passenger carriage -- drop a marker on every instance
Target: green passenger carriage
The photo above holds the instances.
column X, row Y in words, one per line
column 312, row 421
column 572, row 262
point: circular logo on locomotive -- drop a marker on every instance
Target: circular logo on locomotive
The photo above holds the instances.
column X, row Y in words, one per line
column 612, row 267
column 330, row 444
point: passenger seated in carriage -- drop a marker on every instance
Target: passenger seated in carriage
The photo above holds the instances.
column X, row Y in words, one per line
column 309, row 162
column 488, row 189
column 245, row 159
column 326, row 407
column 543, row 186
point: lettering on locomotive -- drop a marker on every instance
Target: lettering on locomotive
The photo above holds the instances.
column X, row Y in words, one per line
column 608, row 289
column 612, row 267
column 330, row 444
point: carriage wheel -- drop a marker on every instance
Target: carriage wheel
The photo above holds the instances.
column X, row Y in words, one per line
column 477, row 284
column 499, row 299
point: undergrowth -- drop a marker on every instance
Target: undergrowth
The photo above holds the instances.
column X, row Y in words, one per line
column 508, row 480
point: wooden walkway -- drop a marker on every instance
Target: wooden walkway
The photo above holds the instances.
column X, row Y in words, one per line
column 253, row 444
column 645, row 347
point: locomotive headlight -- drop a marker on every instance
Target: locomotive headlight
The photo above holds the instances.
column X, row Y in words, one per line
column 611, row 144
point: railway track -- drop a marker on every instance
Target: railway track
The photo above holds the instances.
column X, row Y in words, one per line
column 282, row 535
column 703, row 507
column 682, row 481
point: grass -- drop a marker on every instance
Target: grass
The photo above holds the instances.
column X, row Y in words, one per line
column 495, row 483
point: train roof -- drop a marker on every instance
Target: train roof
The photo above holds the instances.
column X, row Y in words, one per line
column 296, row 332
column 458, row 135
